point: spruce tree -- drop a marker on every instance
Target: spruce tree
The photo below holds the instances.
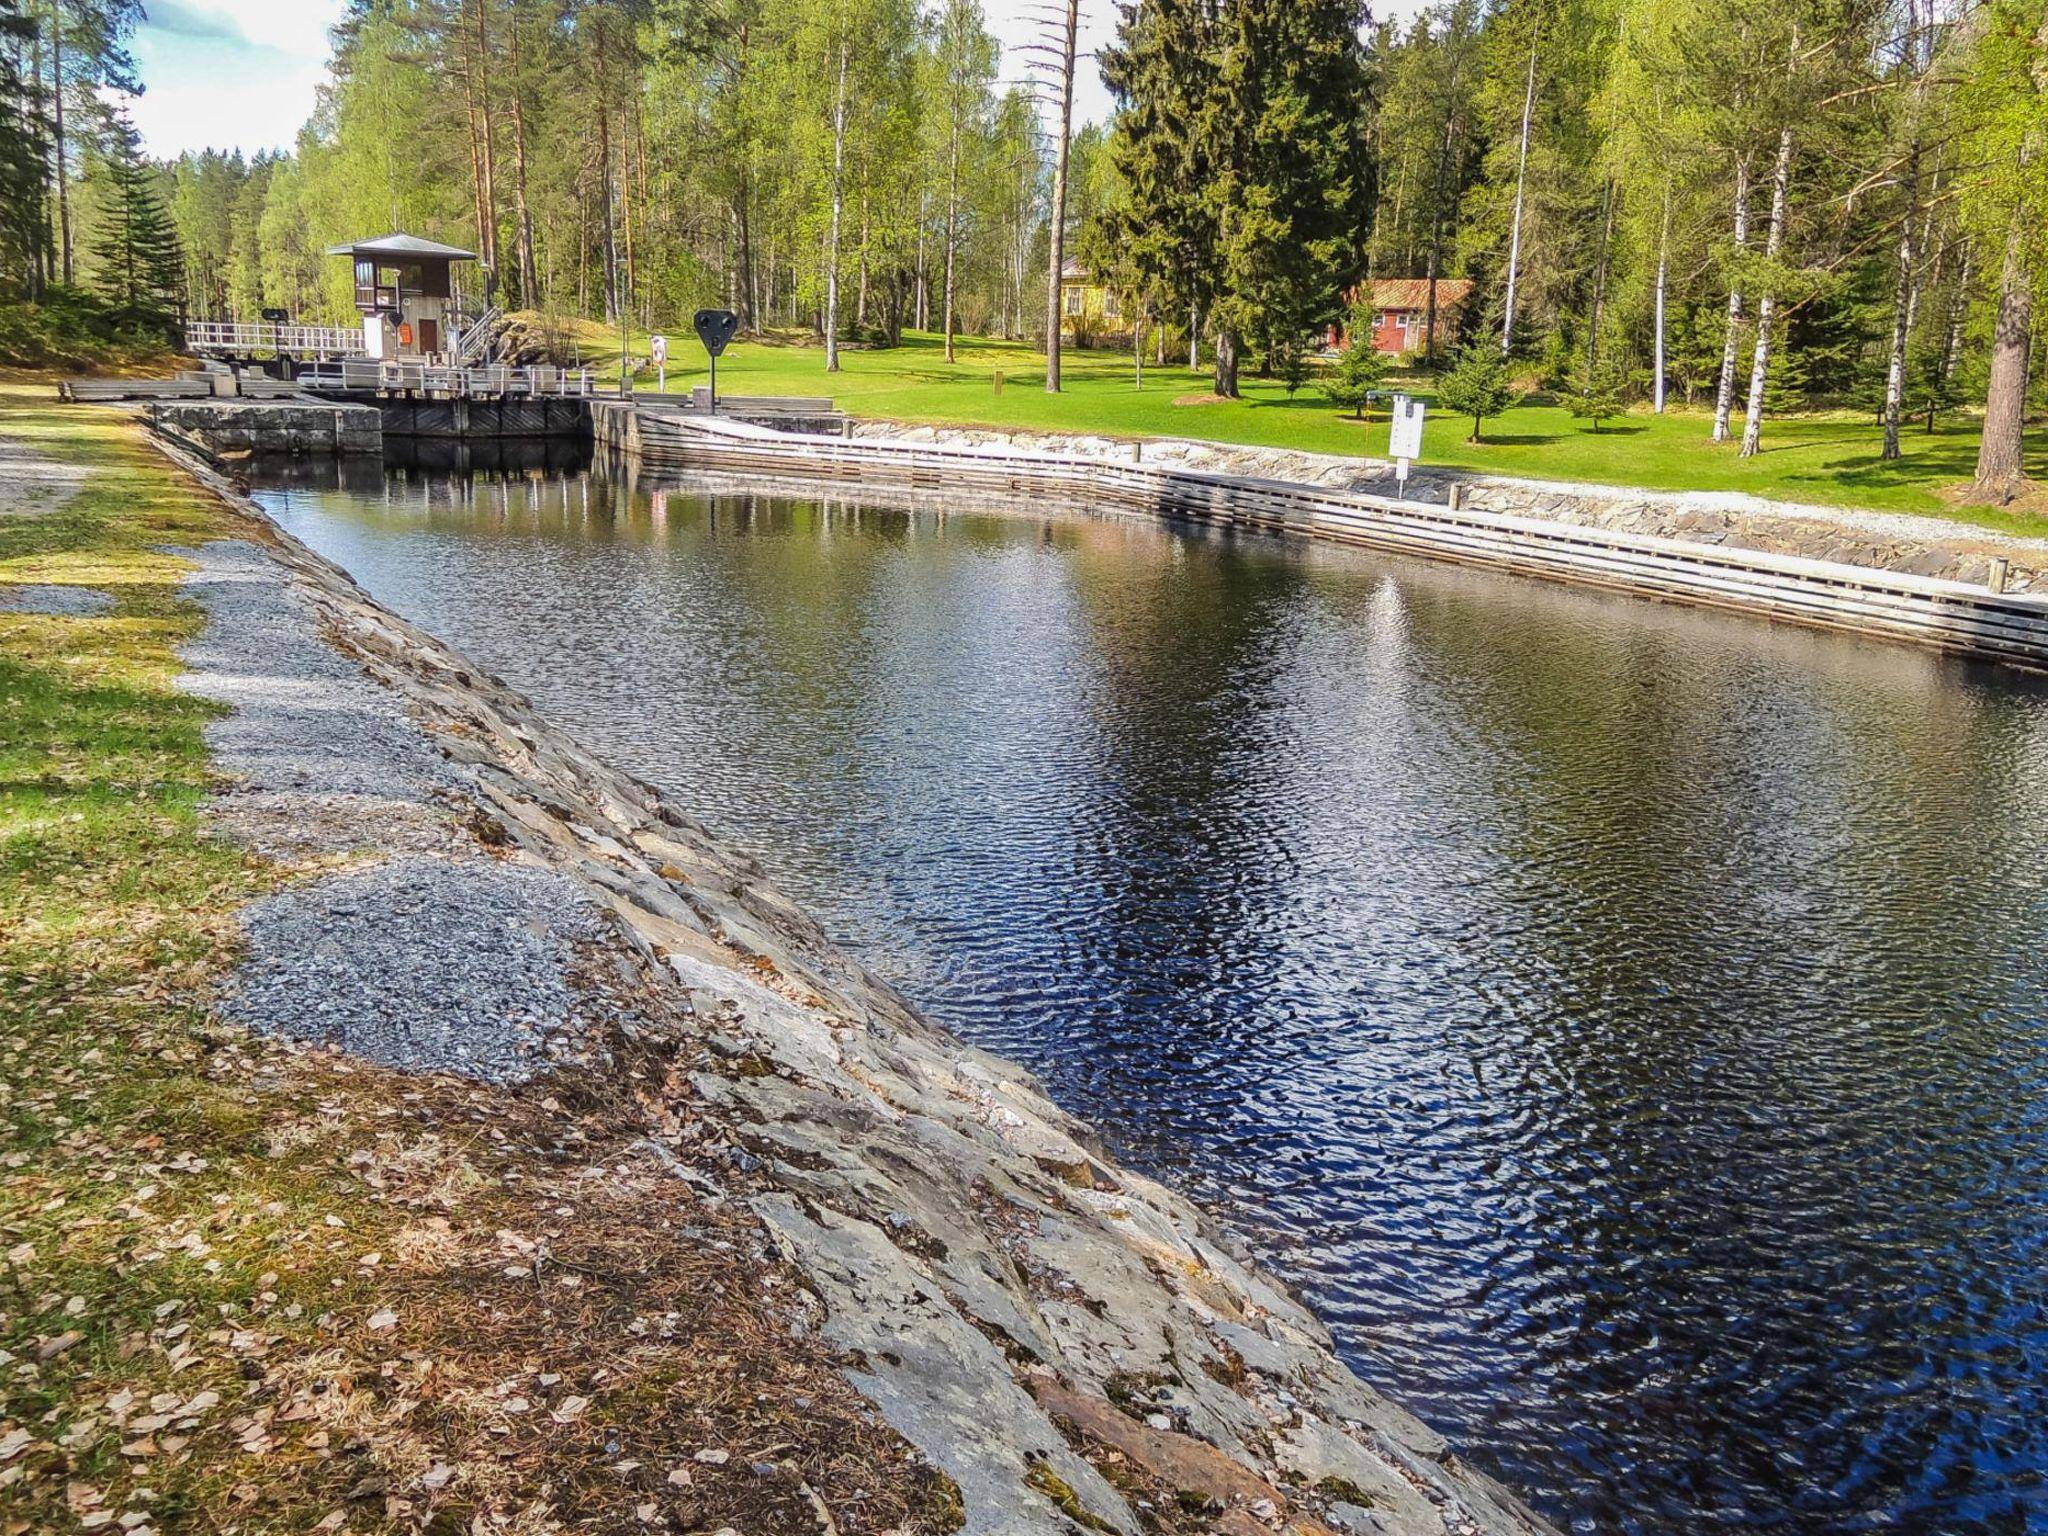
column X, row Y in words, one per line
column 1360, row 369
column 1162, row 70
column 1292, row 190
column 1478, row 384
column 24, row 152
column 140, row 269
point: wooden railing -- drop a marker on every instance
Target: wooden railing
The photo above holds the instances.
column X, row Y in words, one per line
column 243, row 338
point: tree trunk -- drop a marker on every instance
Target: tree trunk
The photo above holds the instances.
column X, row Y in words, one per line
column 1436, row 235
column 838, row 211
column 1753, row 420
column 1903, row 298
column 614, row 299
column 1663, row 289
column 920, row 308
column 1226, row 364
column 65, row 262
column 1507, row 324
column 1056, row 261
column 1600, row 279
column 490, row 134
column 1138, row 344
column 952, row 222
column 529, row 276
column 1724, row 390
column 860, row 294
column 1958, row 312
column 2001, row 466
column 1194, row 336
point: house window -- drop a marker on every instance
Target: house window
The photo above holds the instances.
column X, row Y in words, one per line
column 1111, row 305
column 1073, row 300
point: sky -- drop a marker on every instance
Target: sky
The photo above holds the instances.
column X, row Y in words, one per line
column 240, row 74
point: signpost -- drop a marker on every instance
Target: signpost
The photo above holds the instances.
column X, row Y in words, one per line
column 715, row 328
column 657, row 349
column 1404, row 440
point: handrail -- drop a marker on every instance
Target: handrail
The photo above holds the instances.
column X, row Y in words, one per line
column 265, row 336
column 476, row 337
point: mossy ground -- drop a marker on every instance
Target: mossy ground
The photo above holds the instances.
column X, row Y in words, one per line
column 246, row 1287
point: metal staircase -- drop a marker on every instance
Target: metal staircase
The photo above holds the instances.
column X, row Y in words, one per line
column 476, row 338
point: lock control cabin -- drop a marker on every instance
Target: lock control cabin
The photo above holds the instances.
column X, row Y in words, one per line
column 405, row 292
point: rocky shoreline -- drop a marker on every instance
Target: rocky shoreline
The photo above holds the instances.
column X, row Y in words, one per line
column 1075, row 1346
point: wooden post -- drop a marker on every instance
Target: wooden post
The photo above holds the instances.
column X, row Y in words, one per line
column 2001, row 568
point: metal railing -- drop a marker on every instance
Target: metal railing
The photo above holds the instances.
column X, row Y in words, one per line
column 476, row 337
column 243, row 337
column 455, row 383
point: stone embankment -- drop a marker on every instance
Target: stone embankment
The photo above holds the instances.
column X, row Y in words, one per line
column 1919, row 546
column 1077, row 1347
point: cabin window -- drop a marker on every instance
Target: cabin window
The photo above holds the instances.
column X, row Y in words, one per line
column 1112, row 306
column 1073, row 301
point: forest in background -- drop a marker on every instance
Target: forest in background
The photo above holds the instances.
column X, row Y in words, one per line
column 1752, row 205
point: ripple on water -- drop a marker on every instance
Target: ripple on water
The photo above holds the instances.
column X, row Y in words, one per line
column 1626, row 1024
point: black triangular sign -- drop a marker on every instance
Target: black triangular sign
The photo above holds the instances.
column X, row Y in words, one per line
column 715, row 328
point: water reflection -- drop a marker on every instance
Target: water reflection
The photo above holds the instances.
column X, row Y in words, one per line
column 1627, row 1023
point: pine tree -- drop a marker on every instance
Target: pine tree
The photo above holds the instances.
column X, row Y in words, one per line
column 140, row 269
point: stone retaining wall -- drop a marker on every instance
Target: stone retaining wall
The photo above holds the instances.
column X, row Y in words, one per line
column 270, row 426
column 1922, row 546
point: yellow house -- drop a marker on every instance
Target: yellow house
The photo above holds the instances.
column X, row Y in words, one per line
column 1089, row 311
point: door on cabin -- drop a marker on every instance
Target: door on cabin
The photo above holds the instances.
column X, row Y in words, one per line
column 430, row 337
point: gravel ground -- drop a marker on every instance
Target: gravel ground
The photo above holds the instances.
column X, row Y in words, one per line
column 30, row 483
column 323, row 759
column 428, row 953
column 423, row 963
column 55, row 602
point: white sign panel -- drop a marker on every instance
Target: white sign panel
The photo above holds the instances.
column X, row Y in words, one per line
column 1405, row 441
column 657, row 348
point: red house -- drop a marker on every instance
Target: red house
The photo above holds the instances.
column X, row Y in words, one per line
column 1400, row 320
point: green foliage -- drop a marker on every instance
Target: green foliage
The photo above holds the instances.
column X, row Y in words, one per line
column 140, row 266
column 1359, row 369
column 24, row 150
column 1602, row 391
column 1479, row 384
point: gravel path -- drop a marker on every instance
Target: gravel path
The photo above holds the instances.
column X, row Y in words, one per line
column 32, row 484
column 429, row 953
column 54, row 601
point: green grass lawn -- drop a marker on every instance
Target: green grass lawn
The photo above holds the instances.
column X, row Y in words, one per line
column 1832, row 458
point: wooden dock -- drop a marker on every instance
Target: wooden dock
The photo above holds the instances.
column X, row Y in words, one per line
column 1948, row 615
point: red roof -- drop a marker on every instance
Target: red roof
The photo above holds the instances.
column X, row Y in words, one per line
column 1413, row 292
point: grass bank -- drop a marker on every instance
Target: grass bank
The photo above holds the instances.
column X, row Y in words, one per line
column 1831, row 458
column 250, row 1288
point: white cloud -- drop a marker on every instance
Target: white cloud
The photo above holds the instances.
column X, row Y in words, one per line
column 294, row 27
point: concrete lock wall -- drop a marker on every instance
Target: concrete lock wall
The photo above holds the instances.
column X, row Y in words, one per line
column 270, row 426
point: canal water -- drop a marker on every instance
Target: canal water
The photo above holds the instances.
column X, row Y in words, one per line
column 1628, row 1025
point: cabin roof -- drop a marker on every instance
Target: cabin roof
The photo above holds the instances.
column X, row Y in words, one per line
column 402, row 248
column 1413, row 292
